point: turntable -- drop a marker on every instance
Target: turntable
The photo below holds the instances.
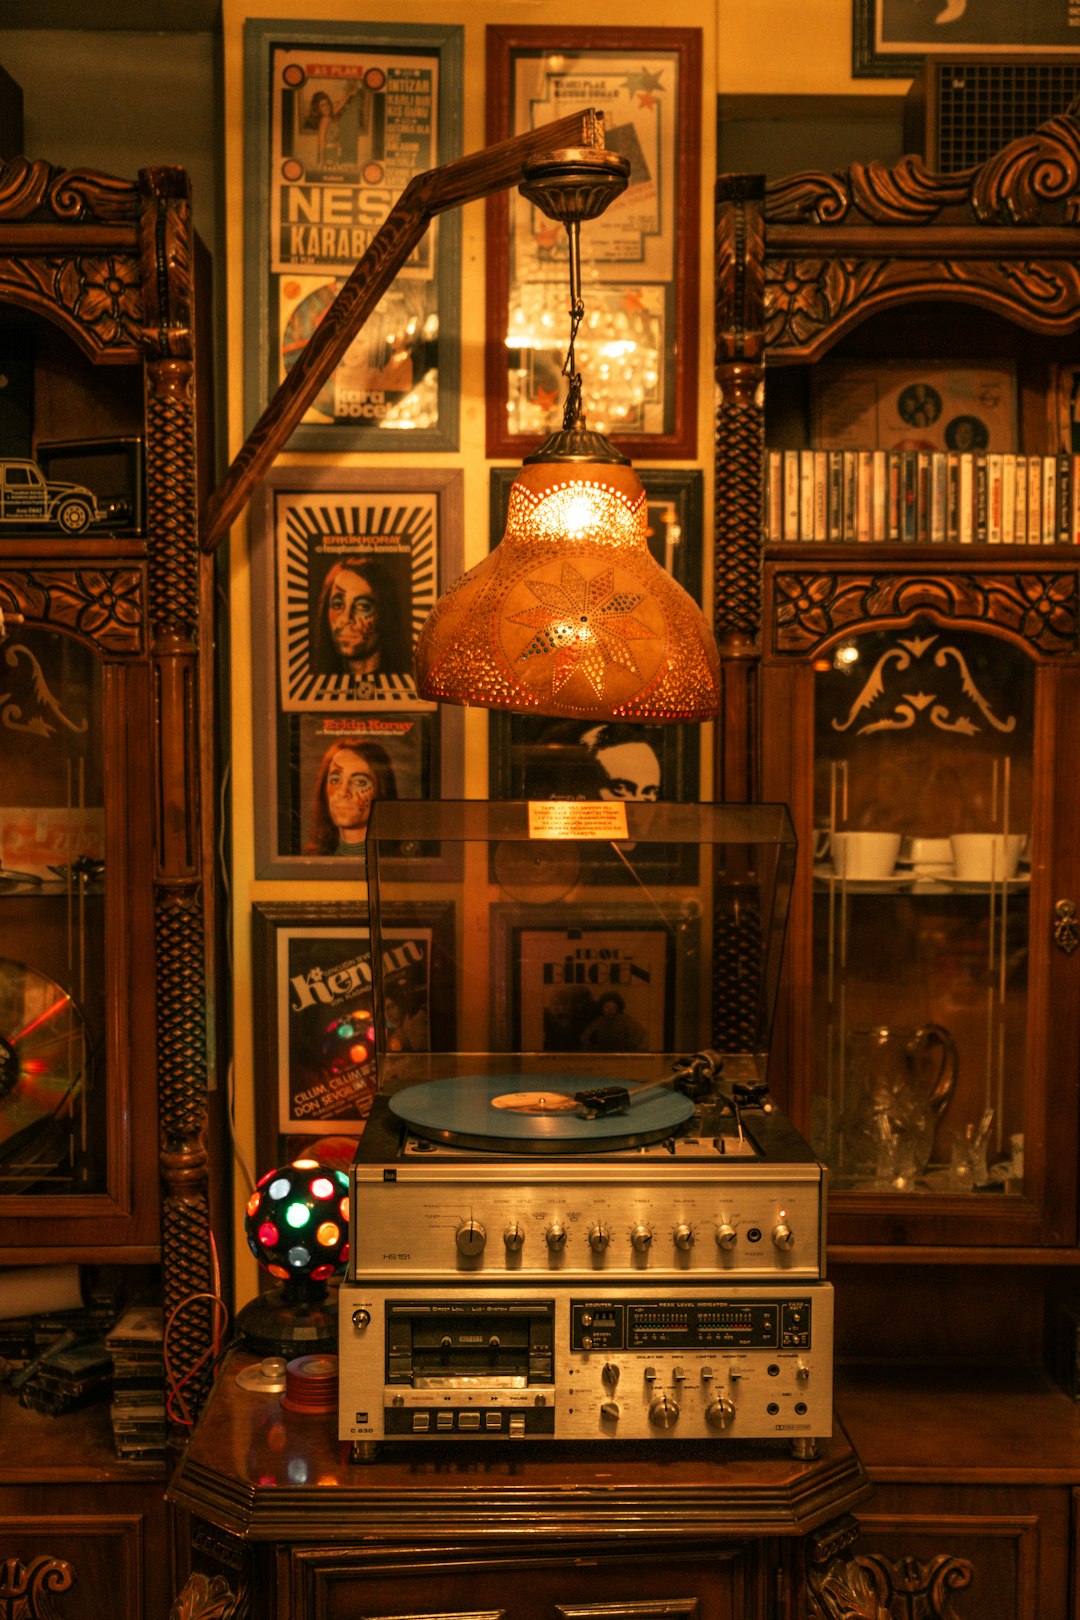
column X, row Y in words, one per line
column 575, row 1216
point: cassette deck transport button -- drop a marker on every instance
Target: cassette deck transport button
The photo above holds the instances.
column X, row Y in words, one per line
column 468, row 1420
column 517, row 1425
column 492, row 1420
column 421, row 1422
column 444, row 1420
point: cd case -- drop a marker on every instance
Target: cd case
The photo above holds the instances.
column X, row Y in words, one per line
column 595, row 940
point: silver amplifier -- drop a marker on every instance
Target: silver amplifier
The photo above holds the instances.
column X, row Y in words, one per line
column 723, row 1202
column 604, row 1360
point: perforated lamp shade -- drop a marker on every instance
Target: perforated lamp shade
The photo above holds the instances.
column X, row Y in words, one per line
column 571, row 615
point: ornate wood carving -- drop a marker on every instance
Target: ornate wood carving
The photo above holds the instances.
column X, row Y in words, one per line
column 94, row 298
column 179, row 919
column 740, row 425
column 1032, row 181
column 873, row 1587
column 808, row 297
column 26, row 1589
column 102, row 605
column 206, row 1597
column 36, row 190
column 813, row 606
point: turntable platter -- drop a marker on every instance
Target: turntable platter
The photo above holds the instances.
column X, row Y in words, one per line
column 519, row 1114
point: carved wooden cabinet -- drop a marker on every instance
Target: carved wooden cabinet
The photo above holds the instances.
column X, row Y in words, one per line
column 916, row 701
column 105, row 804
column 283, row 1524
column 920, row 689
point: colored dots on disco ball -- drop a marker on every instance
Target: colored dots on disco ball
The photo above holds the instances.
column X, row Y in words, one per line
column 297, row 1221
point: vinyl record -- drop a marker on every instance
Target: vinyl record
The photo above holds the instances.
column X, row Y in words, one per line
column 481, row 1111
column 43, row 1047
column 537, row 871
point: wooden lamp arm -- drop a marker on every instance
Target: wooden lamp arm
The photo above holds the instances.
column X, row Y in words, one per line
column 464, row 180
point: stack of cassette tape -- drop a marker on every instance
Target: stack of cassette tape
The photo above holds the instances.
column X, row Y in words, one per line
column 576, row 1212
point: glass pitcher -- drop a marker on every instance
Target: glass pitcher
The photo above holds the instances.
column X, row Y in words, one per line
column 898, row 1084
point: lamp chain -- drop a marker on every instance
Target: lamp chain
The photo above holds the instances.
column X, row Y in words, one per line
column 573, row 415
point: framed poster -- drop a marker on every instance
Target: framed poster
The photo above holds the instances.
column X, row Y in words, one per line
column 623, row 980
column 891, row 37
column 339, row 117
column 314, row 1017
column 535, row 757
column 637, row 347
column 347, row 565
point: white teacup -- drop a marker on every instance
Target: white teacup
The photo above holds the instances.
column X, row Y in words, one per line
column 986, row 857
column 865, row 855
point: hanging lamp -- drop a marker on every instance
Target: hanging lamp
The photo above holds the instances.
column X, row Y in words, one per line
column 570, row 615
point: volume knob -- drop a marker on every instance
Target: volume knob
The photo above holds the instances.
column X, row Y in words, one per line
column 663, row 1412
column 470, row 1239
column 719, row 1413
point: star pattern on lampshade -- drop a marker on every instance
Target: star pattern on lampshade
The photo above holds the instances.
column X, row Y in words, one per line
column 587, row 625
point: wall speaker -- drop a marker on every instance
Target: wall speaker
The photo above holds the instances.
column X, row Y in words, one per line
column 961, row 110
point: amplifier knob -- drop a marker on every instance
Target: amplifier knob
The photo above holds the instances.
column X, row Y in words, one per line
column 360, row 1317
column 664, row 1412
column 782, row 1235
column 684, row 1236
column 610, row 1409
column 719, row 1413
column 726, row 1236
column 471, row 1237
column 802, row 1372
column 514, row 1237
column 555, row 1237
column 599, row 1238
column 641, row 1238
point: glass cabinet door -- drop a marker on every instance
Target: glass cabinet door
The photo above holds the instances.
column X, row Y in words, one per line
column 922, row 832
column 52, row 917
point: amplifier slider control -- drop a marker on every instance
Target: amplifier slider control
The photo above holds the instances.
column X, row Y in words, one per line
column 782, row 1235
column 726, row 1236
column 684, row 1236
column 663, row 1412
column 641, row 1238
column 514, row 1237
column 470, row 1239
column 555, row 1237
column 599, row 1237
column 719, row 1413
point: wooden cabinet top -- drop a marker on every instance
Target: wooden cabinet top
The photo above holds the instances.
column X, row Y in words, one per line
column 266, row 1474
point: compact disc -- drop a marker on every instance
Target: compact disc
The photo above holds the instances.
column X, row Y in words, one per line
column 463, row 1112
column 537, row 870
column 42, row 1048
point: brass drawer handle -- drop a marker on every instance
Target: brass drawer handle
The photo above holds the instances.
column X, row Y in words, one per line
column 1066, row 926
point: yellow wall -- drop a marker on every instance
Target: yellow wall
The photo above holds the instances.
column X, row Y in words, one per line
column 755, row 47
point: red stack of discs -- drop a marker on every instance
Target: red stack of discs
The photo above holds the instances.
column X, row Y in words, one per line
column 311, row 1384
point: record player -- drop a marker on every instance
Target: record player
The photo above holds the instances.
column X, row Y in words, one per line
column 576, row 1212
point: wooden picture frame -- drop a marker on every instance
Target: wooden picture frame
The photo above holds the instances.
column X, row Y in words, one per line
column 891, row 38
column 638, row 345
column 644, row 954
column 339, row 117
column 390, row 542
column 517, row 743
column 314, row 1017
